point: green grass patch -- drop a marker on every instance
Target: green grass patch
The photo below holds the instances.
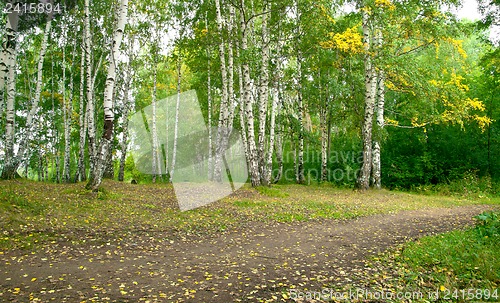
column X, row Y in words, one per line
column 273, row 192
column 28, row 207
column 10, row 201
column 459, row 260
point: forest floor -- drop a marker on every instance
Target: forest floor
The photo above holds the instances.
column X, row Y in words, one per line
column 62, row 244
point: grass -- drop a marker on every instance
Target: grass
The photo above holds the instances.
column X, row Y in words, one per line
column 46, row 211
column 459, row 266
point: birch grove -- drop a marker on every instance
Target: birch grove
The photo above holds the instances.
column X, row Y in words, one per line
column 316, row 94
column 13, row 161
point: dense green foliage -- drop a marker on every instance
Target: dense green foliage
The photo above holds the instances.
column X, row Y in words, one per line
column 442, row 110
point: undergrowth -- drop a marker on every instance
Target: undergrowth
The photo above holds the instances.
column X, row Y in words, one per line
column 459, row 266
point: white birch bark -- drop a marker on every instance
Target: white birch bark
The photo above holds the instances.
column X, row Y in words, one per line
column 156, row 162
column 126, row 110
column 230, row 67
column 300, row 106
column 268, row 168
column 376, row 159
column 11, row 166
column 279, row 151
column 242, row 111
column 176, row 124
column 106, row 140
column 370, row 86
column 82, row 122
column 263, row 100
column 68, row 113
column 66, row 117
column 90, row 112
column 324, row 143
column 279, row 133
column 154, row 131
column 3, row 72
column 252, row 148
column 209, row 107
column 126, row 107
column 9, row 48
column 224, row 105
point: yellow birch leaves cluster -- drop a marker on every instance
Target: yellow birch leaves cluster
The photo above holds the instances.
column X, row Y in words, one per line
column 464, row 106
column 350, row 41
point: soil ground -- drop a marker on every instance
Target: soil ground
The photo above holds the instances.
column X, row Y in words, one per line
column 255, row 263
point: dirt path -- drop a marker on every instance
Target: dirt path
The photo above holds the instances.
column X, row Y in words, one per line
column 258, row 263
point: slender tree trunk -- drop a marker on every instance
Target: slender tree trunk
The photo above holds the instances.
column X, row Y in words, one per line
column 55, row 130
column 12, row 164
column 107, row 137
column 376, row 159
column 66, row 116
column 279, row 135
column 154, row 151
column 230, row 67
column 126, row 110
column 279, row 154
column 68, row 113
column 176, row 125
column 224, row 105
column 82, row 122
column 156, row 164
column 89, row 93
column 9, row 50
column 324, row 143
column 242, row 111
column 123, row 158
column 209, row 105
column 4, row 70
column 252, row 148
column 268, row 169
column 264, row 100
column 300, row 105
column 40, row 167
column 370, row 86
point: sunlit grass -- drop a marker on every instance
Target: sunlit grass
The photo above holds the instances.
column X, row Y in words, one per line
column 28, row 207
column 450, row 264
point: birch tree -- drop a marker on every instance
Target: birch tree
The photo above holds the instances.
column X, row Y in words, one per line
column 10, row 53
column 90, row 109
column 379, row 111
column 300, row 106
column 369, row 103
column 126, row 106
column 81, row 172
column 247, row 86
column 263, row 98
column 12, row 161
column 224, row 104
column 105, row 143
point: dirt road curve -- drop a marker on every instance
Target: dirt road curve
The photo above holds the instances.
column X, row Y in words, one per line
column 250, row 265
